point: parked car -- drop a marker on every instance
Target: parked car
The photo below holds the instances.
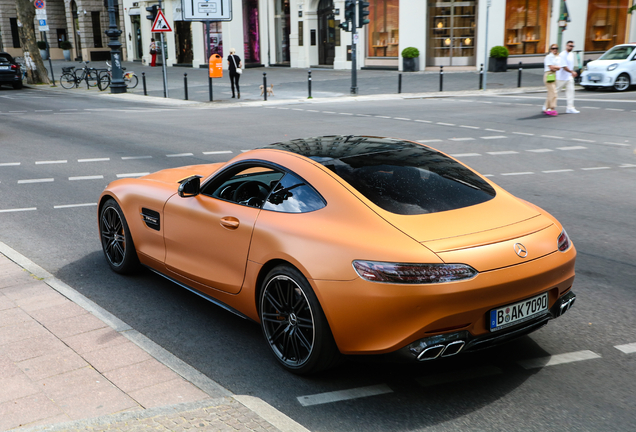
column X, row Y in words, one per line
column 615, row 69
column 10, row 71
column 347, row 245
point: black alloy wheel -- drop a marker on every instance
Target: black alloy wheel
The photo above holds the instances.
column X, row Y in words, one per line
column 294, row 324
column 117, row 243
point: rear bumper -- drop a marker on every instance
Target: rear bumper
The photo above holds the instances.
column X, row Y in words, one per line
column 10, row 78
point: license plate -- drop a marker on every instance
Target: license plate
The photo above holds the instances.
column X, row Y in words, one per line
column 516, row 313
column 4, row 67
column 594, row 77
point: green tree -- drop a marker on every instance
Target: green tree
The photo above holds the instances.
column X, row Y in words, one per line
column 36, row 72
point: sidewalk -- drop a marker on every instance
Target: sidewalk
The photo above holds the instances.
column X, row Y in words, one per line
column 292, row 83
column 66, row 364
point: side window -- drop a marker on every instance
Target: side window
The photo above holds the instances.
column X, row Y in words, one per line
column 293, row 195
column 245, row 184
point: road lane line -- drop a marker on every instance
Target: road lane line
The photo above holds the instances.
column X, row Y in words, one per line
column 503, row 152
column 135, row 157
column 132, row 175
column 386, row 117
column 314, row 111
column 345, row 113
column 180, row 155
column 627, row 348
column 423, row 121
column 9, row 164
column 402, row 118
column 614, row 109
column 557, row 171
column 429, row 141
column 469, row 127
column 494, row 130
column 359, row 115
column 494, row 137
column 590, row 107
column 42, row 180
column 74, row 205
column 461, row 139
column 627, row 166
column 523, row 133
column 583, row 140
column 94, row 177
column 558, row 359
column 445, row 124
column 465, row 375
column 340, row 395
column 540, row 150
column 488, row 175
column 517, row 173
column 465, row 155
column 595, row 168
column 51, row 162
column 18, row 210
column 551, row 136
column 217, row 152
column 43, row 110
column 617, row 144
column 333, row 112
column 572, row 148
column 94, row 160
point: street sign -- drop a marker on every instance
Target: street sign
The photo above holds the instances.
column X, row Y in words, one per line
column 160, row 24
column 39, row 4
column 42, row 25
column 206, row 10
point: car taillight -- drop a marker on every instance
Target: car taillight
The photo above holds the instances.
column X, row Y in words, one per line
column 14, row 67
column 404, row 273
column 563, row 243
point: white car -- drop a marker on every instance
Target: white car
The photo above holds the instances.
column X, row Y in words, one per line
column 614, row 69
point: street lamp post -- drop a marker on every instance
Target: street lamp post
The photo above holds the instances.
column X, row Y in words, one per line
column 485, row 82
column 117, row 84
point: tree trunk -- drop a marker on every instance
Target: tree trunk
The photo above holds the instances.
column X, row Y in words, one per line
column 36, row 72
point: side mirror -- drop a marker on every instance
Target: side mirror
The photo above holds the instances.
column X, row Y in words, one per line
column 190, row 186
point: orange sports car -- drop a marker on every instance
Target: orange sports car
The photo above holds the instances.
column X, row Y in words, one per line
column 347, row 245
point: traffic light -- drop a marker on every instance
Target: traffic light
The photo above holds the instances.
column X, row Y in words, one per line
column 363, row 13
column 153, row 12
column 345, row 25
column 350, row 10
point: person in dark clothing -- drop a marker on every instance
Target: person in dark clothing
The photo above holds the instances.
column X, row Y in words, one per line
column 235, row 68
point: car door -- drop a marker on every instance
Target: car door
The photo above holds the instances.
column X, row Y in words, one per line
column 208, row 236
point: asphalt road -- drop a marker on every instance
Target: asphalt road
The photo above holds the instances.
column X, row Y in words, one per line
column 59, row 150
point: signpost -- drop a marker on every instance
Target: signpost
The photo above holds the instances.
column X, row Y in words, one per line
column 160, row 25
column 40, row 13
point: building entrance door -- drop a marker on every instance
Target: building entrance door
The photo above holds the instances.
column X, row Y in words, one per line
column 138, row 49
column 183, row 39
column 326, row 32
column 452, row 26
column 282, row 23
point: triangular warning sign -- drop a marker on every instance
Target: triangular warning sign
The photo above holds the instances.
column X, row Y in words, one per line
column 160, row 24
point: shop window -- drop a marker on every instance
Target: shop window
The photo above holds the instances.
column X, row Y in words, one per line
column 383, row 28
column 606, row 22
column 15, row 35
column 526, row 24
column 251, row 33
column 97, row 29
column 300, row 33
column 216, row 38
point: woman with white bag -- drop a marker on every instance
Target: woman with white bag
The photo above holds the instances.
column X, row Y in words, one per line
column 234, row 66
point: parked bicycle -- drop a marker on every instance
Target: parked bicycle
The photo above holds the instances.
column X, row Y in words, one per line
column 72, row 78
column 105, row 78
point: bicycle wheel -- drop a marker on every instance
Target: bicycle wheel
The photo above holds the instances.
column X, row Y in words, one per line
column 132, row 81
column 104, row 81
column 92, row 78
column 67, row 81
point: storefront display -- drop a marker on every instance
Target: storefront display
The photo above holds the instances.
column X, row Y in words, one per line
column 452, row 27
column 526, row 25
column 383, row 28
column 606, row 22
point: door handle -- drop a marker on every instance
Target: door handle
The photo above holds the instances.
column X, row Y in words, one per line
column 230, row 222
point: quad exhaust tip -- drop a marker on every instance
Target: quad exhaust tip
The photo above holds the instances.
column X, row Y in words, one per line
column 441, row 350
column 566, row 305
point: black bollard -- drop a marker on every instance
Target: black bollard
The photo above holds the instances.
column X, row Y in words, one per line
column 519, row 77
column 264, row 86
column 399, row 83
column 211, row 90
column 185, row 85
column 143, row 80
column 309, row 85
column 481, row 77
column 441, row 78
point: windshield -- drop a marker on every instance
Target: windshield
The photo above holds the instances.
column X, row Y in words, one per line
column 618, row 53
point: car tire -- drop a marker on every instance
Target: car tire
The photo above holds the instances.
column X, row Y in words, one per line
column 117, row 242
column 294, row 324
column 17, row 85
column 622, row 82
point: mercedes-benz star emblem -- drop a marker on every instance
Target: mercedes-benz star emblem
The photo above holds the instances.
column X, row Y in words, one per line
column 521, row 250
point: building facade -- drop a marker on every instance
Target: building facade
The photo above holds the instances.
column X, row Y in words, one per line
column 305, row 33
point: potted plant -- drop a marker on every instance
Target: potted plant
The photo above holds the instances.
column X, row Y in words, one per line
column 66, row 47
column 498, row 61
column 410, row 59
column 42, row 47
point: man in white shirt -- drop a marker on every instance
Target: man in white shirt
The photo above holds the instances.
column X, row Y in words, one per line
column 565, row 76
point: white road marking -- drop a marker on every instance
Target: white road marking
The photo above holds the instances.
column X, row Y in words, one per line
column 297, row 109
column 135, row 157
column 494, row 137
column 523, row 133
column 18, row 210
column 9, row 164
column 540, row 150
column 132, row 175
column 42, row 180
column 461, row 139
column 424, row 121
column 429, row 141
column 345, row 113
column 180, row 155
column 74, row 205
column 627, row 166
column 571, row 148
column 335, row 396
column 402, row 118
column 332, row 112
column 595, row 168
column 94, row 160
column 583, row 140
column 51, row 162
column 503, row 152
column 557, row 171
column 488, row 175
column 517, row 173
column 283, row 108
column 551, row 136
column 456, row 376
column 361, row 115
column 616, row 144
column 68, row 109
column 217, row 152
column 469, row 127
column 495, row 130
column 43, row 110
column 379, row 116
column 614, row 109
column 627, row 348
column 17, row 112
column 465, row 155
column 94, row 177
column 313, row 111
column 445, row 124
column 558, row 359
column 591, row 108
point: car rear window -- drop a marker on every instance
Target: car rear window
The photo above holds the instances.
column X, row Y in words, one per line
column 4, row 59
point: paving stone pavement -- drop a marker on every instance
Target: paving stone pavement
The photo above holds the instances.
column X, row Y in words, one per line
column 66, row 364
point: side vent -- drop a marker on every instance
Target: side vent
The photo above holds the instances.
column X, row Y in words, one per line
column 151, row 218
